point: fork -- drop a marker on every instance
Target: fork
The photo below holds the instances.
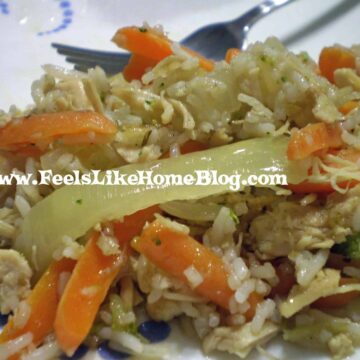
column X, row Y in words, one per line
column 225, row 35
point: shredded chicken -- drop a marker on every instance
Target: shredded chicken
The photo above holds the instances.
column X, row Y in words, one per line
column 15, row 274
column 238, row 341
column 291, row 227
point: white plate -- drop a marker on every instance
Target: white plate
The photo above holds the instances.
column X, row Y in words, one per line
column 27, row 28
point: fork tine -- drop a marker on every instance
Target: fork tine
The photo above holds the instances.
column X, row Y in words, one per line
column 85, row 64
column 88, row 53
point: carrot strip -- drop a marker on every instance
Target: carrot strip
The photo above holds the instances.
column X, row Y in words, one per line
column 188, row 148
column 349, row 106
column 338, row 300
column 91, row 280
column 42, row 129
column 312, row 138
column 152, row 45
column 132, row 225
column 306, row 187
column 333, row 58
column 231, row 53
column 137, row 67
column 84, row 293
column 192, row 146
column 43, row 301
column 348, row 154
column 174, row 252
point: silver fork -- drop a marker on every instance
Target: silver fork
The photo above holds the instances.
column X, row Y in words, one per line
column 211, row 41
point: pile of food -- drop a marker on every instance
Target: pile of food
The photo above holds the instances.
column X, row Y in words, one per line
column 82, row 264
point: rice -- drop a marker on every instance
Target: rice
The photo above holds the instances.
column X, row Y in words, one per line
column 48, row 351
column 21, row 315
column 308, row 265
column 264, row 311
column 264, row 91
column 193, row 276
column 63, row 280
column 14, row 346
column 128, row 341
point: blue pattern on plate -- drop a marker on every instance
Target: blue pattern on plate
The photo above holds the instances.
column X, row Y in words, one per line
column 3, row 320
column 154, row 331
column 79, row 353
column 109, row 354
column 67, row 18
column 4, row 7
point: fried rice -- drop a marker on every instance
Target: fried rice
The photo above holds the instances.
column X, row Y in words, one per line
column 285, row 252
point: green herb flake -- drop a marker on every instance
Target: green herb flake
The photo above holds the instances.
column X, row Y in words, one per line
column 79, row 201
column 149, row 102
column 234, row 216
column 162, row 85
column 284, row 79
column 157, row 241
column 143, row 29
column 304, row 57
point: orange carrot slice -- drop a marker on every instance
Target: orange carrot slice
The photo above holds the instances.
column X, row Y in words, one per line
column 45, row 128
column 84, row 293
column 338, row 300
column 231, row 53
column 312, row 138
column 91, row 280
column 174, row 252
column 152, row 45
column 333, row 58
column 349, row 154
column 133, row 224
column 192, row 146
column 349, row 106
column 137, row 66
column 43, row 301
column 306, row 187
column 188, row 148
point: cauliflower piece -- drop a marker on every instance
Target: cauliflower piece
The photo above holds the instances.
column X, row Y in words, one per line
column 15, row 275
column 291, row 227
column 238, row 340
column 347, row 77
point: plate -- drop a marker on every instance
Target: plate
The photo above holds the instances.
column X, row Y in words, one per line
column 28, row 27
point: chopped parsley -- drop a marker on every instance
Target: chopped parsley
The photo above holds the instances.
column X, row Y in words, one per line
column 149, row 102
column 350, row 248
column 79, row 201
column 157, row 241
column 234, row 216
column 284, row 79
column 143, row 29
column 267, row 59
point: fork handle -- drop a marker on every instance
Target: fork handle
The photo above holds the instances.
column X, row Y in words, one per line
column 241, row 25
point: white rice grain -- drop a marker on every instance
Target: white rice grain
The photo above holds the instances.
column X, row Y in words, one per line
column 264, row 311
column 47, row 351
column 22, row 205
column 193, row 276
column 63, row 280
column 307, row 265
column 243, row 292
column 14, row 346
column 22, row 314
column 214, row 320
